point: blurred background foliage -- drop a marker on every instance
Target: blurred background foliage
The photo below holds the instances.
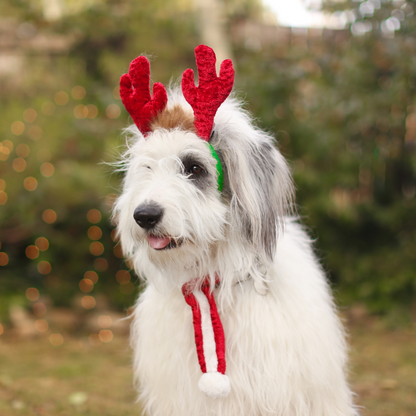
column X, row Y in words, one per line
column 341, row 103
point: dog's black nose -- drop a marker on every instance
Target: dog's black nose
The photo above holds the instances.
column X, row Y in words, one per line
column 148, row 215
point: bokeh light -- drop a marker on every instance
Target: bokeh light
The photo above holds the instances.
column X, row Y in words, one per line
column 94, row 232
column 4, row 258
column 18, row 128
column 32, row 252
column 92, row 111
column 91, row 276
column 8, row 145
column 30, row 115
column 49, row 216
column 19, row 164
column 78, row 92
column 80, row 111
column 88, row 302
column 35, row 133
column 32, row 293
column 113, row 111
column 22, row 150
column 42, row 243
column 48, row 108
column 96, row 248
column 30, row 183
column 47, row 169
column 56, row 339
column 105, row 335
column 3, row 198
column 94, row 216
column 44, row 267
column 104, row 321
column 100, row 264
column 41, row 325
column 123, row 277
column 86, row 285
column 39, row 309
column 1, row 329
column 61, row 98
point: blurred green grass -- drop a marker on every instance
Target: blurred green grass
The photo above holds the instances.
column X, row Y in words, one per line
column 75, row 378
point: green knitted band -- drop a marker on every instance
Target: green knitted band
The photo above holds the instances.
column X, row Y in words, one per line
column 220, row 179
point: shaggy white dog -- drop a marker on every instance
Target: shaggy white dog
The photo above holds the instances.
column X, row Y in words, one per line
column 284, row 344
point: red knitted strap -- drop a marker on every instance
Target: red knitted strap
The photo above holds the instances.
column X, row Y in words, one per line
column 135, row 94
column 187, row 290
column 211, row 92
column 199, row 341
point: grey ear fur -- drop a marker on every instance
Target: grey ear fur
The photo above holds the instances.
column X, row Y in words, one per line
column 258, row 187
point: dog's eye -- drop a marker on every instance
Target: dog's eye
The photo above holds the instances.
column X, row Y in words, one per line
column 195, row 170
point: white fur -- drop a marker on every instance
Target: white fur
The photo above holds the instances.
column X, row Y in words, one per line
column 285, row 349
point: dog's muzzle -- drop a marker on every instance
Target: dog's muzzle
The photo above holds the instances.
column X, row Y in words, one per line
column 148, row 215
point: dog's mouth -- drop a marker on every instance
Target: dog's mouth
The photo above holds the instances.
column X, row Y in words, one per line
column 163, row 242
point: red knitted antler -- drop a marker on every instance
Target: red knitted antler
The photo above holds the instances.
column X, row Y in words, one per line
column 135, row 94
column 211, row 91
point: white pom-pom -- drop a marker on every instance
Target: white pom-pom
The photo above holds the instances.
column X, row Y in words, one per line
column 215, row 385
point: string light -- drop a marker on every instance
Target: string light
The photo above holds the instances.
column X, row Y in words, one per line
column 113, row 111
column 88, row 302
column 30, row 115
column 22, row 150
column 41, row 325
column 19, row 164
column 80, row 111
column 86, row 285
column 8, row 145
column 44, row 267
column 92, row 111
column 91, row 276
column 32, row 293
column 18, row 128
column 4, row 258
column 30, row 183
column 42, row 243
column 104, row 321
column 78, row 92
column 123, row 277
column 94, row 232
column 94, row 216
column 105, row 335
column 47, row 169
column 32, row 252
column 96, row 248
column 49, row 216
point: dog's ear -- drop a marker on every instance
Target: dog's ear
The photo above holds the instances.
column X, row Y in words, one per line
column 259, row 188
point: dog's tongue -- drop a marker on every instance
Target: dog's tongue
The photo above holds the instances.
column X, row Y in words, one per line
column 158, row 242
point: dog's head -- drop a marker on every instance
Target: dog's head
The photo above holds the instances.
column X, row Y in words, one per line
column 179, row 213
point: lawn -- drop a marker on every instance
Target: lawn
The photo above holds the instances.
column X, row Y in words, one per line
column 76, row 378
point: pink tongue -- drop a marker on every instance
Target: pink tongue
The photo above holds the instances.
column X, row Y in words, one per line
column 158, row 242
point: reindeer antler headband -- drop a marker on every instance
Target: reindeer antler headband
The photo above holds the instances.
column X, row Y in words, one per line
column 205, row 99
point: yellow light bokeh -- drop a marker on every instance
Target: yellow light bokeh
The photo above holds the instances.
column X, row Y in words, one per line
column 96, row 248
column 94, row 216
column 100, row 264
column 123, row 277
column 48, row 108
column 3, row 198
column 41, row 325
column 80, row 111
column 42, row 243
column 105, row 335
column 4, row 258
column 49, row 216
column 86, row 285
column 88, row 302
column 19, row 164
column 32, row 293
column 39, row 309
column 56, row 339
column 91, row 276
column 78, row 92
column 30, row 183
column 47, row 169
column 44, row 267
column 30, row 115
column 92, row 111
column 22, row 150
column 61, row 98
column 32, row 252
column 113, row 111
column 104, row 321
column 35, row 132
column 94, row 232
column 18, row 128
